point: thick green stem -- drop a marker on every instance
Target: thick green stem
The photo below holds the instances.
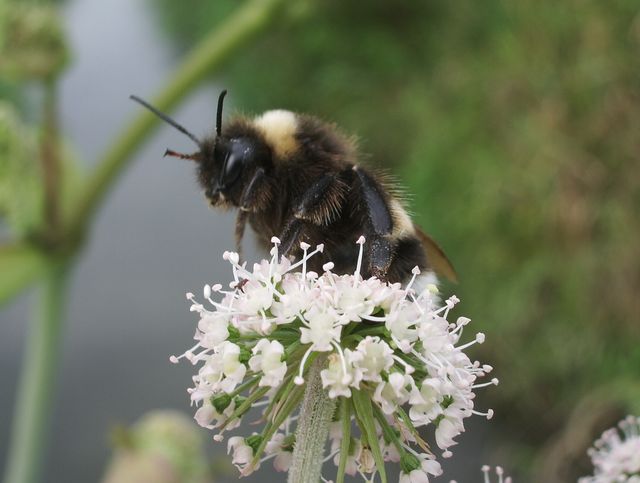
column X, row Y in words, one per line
column 35, row 391
column 216, row 48
column 313, row 428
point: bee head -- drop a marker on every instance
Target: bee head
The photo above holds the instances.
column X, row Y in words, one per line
column 226, row 161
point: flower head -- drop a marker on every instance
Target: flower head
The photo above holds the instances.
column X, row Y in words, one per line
column 616, row 455
column 383, row 348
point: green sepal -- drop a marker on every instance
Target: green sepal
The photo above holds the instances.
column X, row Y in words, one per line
column 234, row 333
column 245, row 355
column 288, row 442
column 221, row 402
column 446, row 401
column 254, row 441
column 239, row 400
column 409, row 462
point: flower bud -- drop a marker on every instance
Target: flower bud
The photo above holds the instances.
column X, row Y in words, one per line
column 164, row 447
column 33, row 44
column 221, row 402
column 254, row 441
column 409, row 462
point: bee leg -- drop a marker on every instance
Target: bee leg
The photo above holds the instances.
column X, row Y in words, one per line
column 241, row 223
column 256, row 193
column 381, row 254
column 290, row 235
column 379, row 226
column 323, row 201
column 318, row 206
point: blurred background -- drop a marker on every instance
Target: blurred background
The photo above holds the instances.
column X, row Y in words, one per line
column 514, row 126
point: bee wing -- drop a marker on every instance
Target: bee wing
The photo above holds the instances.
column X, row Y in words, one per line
column 436, row 257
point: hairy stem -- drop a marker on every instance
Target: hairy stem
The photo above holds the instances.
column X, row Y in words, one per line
column 313, row 428
column 37, row 381
column 210, row 54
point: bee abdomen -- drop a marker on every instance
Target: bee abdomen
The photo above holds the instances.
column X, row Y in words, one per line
column 409, row 253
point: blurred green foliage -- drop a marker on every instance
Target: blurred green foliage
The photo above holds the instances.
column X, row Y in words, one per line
column 515, row 126
column 531, row 175
column 20, row 173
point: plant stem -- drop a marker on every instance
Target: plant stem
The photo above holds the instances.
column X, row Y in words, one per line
column 37, row 381
column 313, row 428
column 214, row 49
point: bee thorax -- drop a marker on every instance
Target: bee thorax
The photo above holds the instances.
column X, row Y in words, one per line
column 279, row 130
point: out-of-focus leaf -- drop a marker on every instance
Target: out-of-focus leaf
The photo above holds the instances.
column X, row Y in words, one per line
column 20, row 266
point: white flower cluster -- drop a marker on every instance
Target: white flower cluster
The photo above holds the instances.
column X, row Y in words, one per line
column 616, row 455
column 385, row 348
column 486, row 469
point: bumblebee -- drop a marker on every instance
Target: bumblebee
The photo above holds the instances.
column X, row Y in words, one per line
column 298, row 178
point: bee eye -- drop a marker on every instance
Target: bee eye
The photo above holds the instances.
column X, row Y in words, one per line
column 240, row 152
column 232, row 169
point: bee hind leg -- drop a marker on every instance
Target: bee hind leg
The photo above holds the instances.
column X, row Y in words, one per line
column 323, row 201
column 380, row 254
column 378, row 222
column 318, row 206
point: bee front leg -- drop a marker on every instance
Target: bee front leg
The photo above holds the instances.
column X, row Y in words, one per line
column 257, row 192
column 241, row 223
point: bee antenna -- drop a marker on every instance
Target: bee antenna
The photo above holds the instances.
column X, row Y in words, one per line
column 219, row 112
column 166, row 119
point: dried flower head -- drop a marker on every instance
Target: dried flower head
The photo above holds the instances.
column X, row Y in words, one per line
column 390, row 356
column 616, row 455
